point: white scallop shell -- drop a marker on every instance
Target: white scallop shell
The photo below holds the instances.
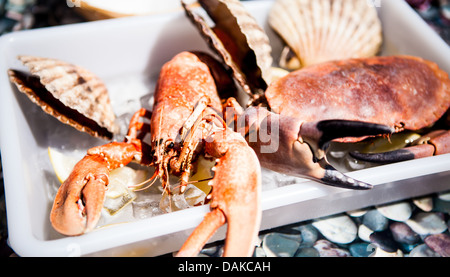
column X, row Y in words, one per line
column 324, row 30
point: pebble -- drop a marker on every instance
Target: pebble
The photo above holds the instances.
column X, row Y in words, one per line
column 281, row 245
column 259, row 252
column 427, row 223
column 441, row 205
column 361, row 249
column 440, row 243
column 357, row 213
column 402, row 233
column 445, row 196
column 307, row 252
column 424, row 203
column 375, row 221
column 381, row 253
column 338, row 229
column 309, row 234
column 384, row 241
column 364, row 232
column 400, row 211
column 329, row 249
column 422, row 250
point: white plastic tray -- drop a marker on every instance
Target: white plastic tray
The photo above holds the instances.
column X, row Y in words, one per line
column 128, row 54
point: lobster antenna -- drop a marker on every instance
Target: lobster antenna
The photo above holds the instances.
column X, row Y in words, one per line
column 152, row 180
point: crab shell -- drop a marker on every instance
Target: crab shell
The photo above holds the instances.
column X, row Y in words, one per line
column 68, row 92
column 403, row 92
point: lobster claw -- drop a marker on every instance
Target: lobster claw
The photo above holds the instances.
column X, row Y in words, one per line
column 235, row 197
column 79, row 200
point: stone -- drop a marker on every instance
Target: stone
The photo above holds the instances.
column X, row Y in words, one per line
column 309, row 234
column 400, row 211
column 329, row 249
column 384, row 241
column 381, row 253
column 357, row 213
column 440, row 243
column 281, row 245
column 361, row 249
column 307, row 252
column 445, row 196
column 424, row 203
column 441, row 205
column 364, row 233
column 422, row 250
column 375, row 221
column 402, row 233
column 426, row 223
column 338, row 229
column 259, row 252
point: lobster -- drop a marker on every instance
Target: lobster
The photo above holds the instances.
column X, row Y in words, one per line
column 185, row 122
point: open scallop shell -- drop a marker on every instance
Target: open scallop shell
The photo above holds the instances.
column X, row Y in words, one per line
column 238, row 40
column 325, row 30
column 68, row 92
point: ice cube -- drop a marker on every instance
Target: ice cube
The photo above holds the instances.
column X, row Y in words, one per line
column 193, row 196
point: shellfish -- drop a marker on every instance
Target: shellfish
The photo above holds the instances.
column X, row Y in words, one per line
column 68, row 92
column 325, row 30
column 238, row 39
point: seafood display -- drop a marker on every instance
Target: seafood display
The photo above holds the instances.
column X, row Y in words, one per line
column 283, row 124
column 325, row 30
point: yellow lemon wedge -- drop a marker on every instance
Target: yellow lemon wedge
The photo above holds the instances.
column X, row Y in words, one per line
column 123, row 177
column 203, row 173
column 62, row 163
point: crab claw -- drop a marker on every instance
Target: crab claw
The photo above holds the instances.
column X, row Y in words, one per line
column 434, row 143
column 235, row 197
column 290, row 146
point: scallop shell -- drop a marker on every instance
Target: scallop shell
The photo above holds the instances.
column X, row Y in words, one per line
column 238, row 40
column 325, row 30
column 68, row 92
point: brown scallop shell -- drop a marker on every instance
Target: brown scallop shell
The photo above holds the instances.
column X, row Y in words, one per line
column 238, row 40
column 68, row 92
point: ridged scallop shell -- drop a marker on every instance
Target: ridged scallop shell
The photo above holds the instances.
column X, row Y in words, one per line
column 238, row 40
column 325, row 30
column 68, row 92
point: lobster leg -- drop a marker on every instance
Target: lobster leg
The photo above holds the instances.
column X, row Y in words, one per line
column 235, row 197
column 434, row 143
column 79, row 200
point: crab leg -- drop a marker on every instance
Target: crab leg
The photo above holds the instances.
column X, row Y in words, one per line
column 235, row 195
column 434, row 143
column 79, row 200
